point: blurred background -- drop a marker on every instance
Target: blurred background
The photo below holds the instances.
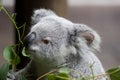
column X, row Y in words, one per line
column 101, row 15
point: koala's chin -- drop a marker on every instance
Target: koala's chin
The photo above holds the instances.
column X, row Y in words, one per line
column 54, row 40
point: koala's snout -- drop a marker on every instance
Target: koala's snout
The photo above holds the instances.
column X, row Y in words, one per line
column 29, row 39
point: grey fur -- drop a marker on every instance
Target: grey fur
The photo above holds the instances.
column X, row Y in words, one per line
column 40, row 13
column 67, row 44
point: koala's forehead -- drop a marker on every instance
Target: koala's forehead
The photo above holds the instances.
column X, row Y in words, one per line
column 52, row 24
column 50, row 21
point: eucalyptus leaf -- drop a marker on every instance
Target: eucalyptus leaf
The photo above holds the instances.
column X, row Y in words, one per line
column 64, row 70
column 14, row 15
column 51, row 77
column 3, row 71
column 59, row 76
column 63, row 76
column 114, row 73
column 24, row 53
column 10, row 55
column 16, row 59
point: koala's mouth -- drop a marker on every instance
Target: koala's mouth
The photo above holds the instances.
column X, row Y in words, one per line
column 28, row 52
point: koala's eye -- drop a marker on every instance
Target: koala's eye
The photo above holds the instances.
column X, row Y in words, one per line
column 46, row 40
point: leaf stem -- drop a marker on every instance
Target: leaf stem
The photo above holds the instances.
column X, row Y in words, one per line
column 13, row 67
column 91, row 67
column 13, row 21
column 114, row 71
column 23, row 30
column 62, row 78
column 46, row 74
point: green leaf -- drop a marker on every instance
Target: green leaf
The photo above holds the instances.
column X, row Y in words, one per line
column 63, row 76
column 51, row 77
column 114, row 73
column 16, row 59
column 60, row 76
column 22, row 78
column 24, row 53
column 14, row 15
column 64, row 70
column 10, row 55
column 3, row 71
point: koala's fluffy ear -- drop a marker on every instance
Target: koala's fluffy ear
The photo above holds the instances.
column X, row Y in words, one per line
column 90, row 36
column 40, row 13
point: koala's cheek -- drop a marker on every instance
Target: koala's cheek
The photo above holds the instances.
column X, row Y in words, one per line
column 63, row 50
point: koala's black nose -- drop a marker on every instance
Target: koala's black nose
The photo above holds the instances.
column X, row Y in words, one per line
column 29, row 39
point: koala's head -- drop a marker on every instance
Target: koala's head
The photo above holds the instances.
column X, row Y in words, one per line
column 53, row 36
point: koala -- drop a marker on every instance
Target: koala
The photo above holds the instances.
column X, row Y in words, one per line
column 53, row 41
